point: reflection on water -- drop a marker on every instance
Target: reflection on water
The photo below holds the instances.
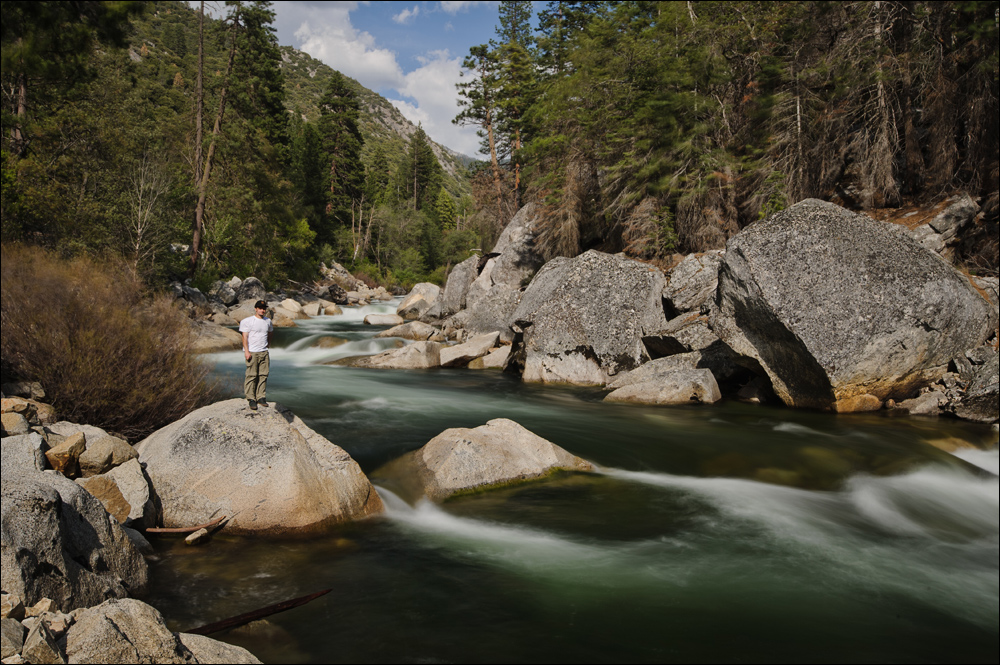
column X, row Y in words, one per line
column 710, row 534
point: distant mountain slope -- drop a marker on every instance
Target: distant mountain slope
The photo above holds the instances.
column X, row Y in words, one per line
column 305, row 81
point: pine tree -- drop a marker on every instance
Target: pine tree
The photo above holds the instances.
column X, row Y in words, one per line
column 421, row 171
column 341, row 143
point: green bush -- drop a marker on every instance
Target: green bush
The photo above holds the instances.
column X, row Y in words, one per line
column 107, row 352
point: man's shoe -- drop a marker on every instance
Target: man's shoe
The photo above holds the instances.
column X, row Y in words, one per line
column 252, row 404
column 262, row 402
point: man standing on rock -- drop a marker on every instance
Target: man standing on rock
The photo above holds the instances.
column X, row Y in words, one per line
column 257, row 332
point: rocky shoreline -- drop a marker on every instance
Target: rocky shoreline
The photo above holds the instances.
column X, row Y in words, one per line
column 816, row 307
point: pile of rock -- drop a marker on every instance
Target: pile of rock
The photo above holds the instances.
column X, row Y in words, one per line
column 815, row 307
column 116, row 631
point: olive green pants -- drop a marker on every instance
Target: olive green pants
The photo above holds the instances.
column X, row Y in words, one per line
column 255, row 383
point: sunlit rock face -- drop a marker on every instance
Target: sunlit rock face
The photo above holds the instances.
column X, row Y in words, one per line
column 842, row 311
column 266, row 470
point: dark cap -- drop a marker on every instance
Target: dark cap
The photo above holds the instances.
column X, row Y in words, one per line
column 260, row 304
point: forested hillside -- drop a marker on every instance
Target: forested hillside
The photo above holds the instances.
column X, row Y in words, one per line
column 655, row 127
column 122, row 134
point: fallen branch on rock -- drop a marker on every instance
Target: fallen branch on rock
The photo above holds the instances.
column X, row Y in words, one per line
column 186, row 529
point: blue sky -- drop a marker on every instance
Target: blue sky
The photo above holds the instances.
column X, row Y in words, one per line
column 409, row 52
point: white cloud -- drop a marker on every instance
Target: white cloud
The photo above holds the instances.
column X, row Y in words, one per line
column 432, row 86
column 326, row 33
column 426, row 95
column 406, row 15
column 462, row 5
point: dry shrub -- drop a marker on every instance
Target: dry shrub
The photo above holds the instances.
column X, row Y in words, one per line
column 107, row 353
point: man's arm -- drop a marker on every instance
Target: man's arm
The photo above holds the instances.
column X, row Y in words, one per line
column 246, row 347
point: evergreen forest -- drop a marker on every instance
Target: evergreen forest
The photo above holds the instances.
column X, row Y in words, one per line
column 198, row 147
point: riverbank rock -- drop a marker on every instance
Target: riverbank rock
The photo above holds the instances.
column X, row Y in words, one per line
column 495, row 359
column 518, row 257
column 841, row 311
column 412, row 330
column 693, row 281
column 452, row 298
column 59, row 542
column 266, row 470
column 461, row 355
column 383, row 320
column 213, row 338
column 981, row 400
column 682, row 386
column 420, row 299
column 23, row 453
column 459, row 460
column 130, row 631
column 124, row 492
column 419, row 355
column 583, row 320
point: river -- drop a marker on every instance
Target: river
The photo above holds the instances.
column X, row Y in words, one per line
column 716, row 534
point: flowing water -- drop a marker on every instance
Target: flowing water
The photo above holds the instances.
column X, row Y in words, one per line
column 726, row 533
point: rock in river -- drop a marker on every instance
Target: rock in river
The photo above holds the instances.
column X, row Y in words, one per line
column 266, row 470
column 842, row 311
column 583, row 320
column 457, row 460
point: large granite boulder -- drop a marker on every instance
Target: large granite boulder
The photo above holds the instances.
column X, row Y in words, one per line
column 692, row 282
column 583, row 320
column 251, row 289
column 57, row 541
column 265, row 470
column 452, row 298
column 461, row 460
column 420, row 299
column 842, row 311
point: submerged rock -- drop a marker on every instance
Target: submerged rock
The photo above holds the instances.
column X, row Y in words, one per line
column 458, row 460
column 841, row 311
column 681, row 386
column 419, row 355
column 59, row 542
column 583, row 320
column 266, row 470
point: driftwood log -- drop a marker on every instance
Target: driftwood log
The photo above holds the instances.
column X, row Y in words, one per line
column 186, row 529
column 256, row 615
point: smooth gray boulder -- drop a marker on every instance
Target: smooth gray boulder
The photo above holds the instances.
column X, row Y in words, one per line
column 583, row 320
column 682, row 386
column 452, row 298
column 25, row 452
column 459, row 460
column 207, row 651
column 57, row 541
column 419, row 355
column 266, row 470
column 693, row 281
column 383, row 320
column 412, row 330
column 124, row 630
column 420, row 299
column 461, row 355
column 841, row 311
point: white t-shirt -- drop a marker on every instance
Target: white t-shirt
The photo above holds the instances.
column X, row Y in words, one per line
column 258, row 330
